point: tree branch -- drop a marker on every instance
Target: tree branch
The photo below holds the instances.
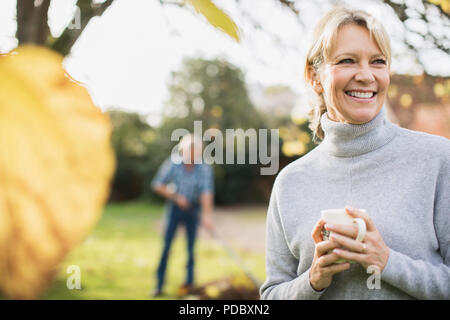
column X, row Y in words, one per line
column 65, row 42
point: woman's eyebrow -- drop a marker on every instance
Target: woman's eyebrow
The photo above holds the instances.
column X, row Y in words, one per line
column 376, row 55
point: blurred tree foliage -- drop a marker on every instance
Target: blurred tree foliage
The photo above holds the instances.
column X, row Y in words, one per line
column 212, row 91
column 133, row 143
column 32, row 20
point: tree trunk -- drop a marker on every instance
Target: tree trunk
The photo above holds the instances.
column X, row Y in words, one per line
column 32, row 24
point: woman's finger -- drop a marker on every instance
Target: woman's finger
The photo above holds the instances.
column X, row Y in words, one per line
column 328, row 259
column 345, row 254
column 348, row 243
column 317, row 231
column 325, row 246
column 360, row 213
column 336, row 268
column 350, row 231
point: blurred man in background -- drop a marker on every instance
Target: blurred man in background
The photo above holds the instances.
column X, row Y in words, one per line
column 188, row 186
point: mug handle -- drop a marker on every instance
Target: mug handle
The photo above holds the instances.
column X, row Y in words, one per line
column 361, row 229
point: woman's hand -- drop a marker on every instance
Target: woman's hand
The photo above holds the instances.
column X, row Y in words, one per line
column 371, row 252
column 323, row 267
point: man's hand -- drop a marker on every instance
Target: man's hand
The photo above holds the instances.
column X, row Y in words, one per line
column 181, row 201
column 207, row 222
column 206, row 200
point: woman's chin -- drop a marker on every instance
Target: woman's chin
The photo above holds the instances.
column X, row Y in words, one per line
column 361, row 116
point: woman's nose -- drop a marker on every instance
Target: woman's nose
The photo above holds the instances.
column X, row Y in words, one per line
column 364, row 74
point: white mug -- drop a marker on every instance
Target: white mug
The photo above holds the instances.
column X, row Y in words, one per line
column 340, row 216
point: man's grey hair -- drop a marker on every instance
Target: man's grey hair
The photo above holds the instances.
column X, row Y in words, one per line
column 190, row 140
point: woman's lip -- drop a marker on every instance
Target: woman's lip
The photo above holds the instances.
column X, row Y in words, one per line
column 361, row 90
column 362, row 99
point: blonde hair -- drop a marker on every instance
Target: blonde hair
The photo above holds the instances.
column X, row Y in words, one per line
column 324, row 37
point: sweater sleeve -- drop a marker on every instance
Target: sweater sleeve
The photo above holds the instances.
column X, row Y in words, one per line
column 422, row 279
column 282, row 281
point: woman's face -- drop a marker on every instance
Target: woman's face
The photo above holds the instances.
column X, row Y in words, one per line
column 355, row 77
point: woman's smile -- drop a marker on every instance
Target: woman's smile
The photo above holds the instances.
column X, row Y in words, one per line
column 361, row 96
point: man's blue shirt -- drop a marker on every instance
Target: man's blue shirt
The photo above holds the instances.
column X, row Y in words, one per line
column 190, row 184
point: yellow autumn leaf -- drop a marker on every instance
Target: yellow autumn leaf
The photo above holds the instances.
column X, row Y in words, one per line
column 293, row 148
column 242, row 282
column 304, row 137
column 406, row 100
column 56, row 164
column 284, row 133
column 439, row 90
column 419, row 79
column 392, row 91
column 216, row 111
column 212, row 291
column 216, row 17
column 444, row 4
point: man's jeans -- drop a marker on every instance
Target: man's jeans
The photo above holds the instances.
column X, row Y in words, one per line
column 190, row 218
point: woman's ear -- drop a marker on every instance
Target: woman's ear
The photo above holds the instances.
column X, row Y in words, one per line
column 314, row 80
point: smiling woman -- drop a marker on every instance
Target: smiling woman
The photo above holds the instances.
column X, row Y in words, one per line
column 356, row 77
column 396, row 180
column 348, row 70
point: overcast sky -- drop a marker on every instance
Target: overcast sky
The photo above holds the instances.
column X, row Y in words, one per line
column 126, row 56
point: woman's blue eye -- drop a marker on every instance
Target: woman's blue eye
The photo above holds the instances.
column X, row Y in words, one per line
column 346, row 61
column 380, row 61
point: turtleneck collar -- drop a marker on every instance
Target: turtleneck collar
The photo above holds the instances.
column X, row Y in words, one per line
column 349, row 140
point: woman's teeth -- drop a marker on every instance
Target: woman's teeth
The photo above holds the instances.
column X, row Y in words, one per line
column 357, row 94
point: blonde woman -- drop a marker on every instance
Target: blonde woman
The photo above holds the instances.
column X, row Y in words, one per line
column 401, row 179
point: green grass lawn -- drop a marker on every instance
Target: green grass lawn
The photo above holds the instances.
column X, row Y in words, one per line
column 119, row 258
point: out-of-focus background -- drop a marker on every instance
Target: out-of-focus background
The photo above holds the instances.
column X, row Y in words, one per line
column 157, row 65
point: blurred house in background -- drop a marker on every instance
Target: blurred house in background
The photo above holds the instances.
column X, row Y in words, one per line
column 420, row 103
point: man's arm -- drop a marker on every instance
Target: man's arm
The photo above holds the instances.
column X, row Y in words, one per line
column 160, row 185
column 165, row 192
column 207, row 203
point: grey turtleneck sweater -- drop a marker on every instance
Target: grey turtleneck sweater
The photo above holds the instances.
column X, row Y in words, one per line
column 401, row 177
